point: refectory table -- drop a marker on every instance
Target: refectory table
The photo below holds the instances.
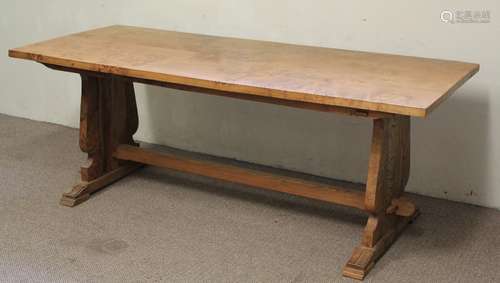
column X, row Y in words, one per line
column 388, row 89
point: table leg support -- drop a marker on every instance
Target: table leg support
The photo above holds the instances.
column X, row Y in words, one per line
column 81, row 192
column 388, row 173
column 108, row 117
column 387, row 228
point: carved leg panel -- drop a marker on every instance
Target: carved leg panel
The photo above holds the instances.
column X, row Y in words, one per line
column 90, row 129
column 388, row 172
column 108, row 117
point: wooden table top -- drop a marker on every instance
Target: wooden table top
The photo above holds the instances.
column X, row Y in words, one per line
column 361, row 80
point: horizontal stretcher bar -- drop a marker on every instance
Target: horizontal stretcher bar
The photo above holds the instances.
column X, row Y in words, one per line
column 250, row 177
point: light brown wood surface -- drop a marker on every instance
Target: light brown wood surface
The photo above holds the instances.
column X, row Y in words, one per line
column 249, row 177
column 360, row 80
column 385, row 88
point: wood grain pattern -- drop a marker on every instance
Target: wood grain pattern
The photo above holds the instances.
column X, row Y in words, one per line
column 82, row 191
column 90, row 129
column 361, row 80
column 379, row 234
column 388, row 172
column 387, row 88
column 263, row 180
column 108, row 117
column 389, row 164
column 243, row 96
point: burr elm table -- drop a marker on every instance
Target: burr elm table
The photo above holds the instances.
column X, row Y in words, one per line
column 387, row 89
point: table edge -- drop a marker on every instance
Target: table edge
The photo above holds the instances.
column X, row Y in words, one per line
column 245, row 89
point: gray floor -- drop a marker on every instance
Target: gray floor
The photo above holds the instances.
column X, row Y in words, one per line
column 161, row 226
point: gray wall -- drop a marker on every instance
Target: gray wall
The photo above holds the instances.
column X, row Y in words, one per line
column 456, row 151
